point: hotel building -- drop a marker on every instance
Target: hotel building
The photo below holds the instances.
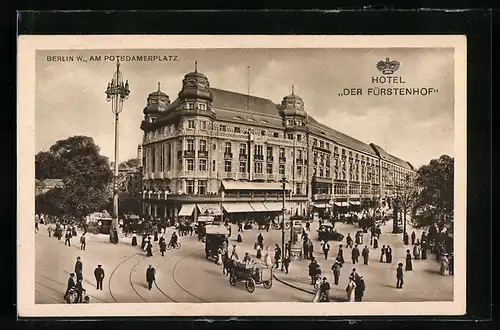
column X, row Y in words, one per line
column 213, row 150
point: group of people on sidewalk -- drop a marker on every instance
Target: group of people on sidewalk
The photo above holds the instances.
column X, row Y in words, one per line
column 75, row 292
column 355, row 288
column 147, row 245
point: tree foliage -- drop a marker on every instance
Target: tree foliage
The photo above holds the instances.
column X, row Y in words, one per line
column 435, row 184
column 85, row 173
column 131, row 163
column 405, row 199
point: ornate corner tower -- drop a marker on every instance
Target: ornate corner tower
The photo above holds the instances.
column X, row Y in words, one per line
column 295, row 121
column 157, row 102
column 292, row 111
column 195, row 96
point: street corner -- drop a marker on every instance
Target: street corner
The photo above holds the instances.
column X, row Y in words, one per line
column 294, row 282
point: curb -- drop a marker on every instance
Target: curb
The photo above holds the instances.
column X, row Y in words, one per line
column 291, row 285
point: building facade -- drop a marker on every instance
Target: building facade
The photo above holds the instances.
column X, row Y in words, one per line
column 217, row 151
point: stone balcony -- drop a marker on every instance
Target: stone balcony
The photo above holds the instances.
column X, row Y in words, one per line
column 228, row 197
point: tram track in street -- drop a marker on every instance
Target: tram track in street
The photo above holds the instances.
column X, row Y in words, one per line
column 113, row 272
column 131, row 282
column 62, row 284
column 46, row 295
column 180, row 286
column 130, row 279
column 161, row 291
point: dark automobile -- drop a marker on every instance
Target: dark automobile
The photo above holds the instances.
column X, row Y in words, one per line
column 326, row 232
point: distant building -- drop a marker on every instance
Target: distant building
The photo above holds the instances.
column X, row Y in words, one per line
column 218, row 150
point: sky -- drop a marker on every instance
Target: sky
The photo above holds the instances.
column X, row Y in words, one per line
column 70, row 95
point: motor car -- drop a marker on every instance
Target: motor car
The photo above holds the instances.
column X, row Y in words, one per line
column 326, row 232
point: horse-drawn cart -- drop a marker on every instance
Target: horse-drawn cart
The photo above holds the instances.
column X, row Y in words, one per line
column 251, row 274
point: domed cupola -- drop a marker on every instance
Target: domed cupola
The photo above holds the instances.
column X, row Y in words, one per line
column 157, row 102
column 292, row 110
column 196, row 88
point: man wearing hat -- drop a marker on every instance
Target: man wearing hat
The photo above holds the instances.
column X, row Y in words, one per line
column 336, row 271
column 79, row 269
column 359, row 291
column 71, row 283
column 99, row 276
column 399, row 276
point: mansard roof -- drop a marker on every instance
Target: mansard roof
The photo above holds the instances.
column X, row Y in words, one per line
column 252, row 110
column 390, row 158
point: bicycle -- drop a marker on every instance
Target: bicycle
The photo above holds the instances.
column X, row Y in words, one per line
column 177, row 246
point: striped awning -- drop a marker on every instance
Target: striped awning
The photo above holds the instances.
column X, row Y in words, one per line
column 341, row 204
column 274, row 207
column 213, row 209
column 259, row 207
column 237, row 207
column 355, row 202
column 320, row 205
column 186, row 210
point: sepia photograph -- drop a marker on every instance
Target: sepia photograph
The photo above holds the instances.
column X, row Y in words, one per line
column 224, row 174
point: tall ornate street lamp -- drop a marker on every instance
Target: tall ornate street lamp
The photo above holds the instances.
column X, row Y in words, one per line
column 116, row 92
column 283, row 182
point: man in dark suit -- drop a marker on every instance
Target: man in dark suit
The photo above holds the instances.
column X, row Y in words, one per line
column 399, row 276
column 150, row 276
column 79, row 269
column 99, row 276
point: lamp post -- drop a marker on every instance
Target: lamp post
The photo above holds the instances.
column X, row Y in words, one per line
column 116, row 92
column 283, row 181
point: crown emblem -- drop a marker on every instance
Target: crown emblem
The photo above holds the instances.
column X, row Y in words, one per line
column 388, row 67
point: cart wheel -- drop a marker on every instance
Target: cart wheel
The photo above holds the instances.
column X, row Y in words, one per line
column 178, row 246
column 95, row 231
column 250, row 285
column 268, row 284
column 168, row 246
column 232, row 280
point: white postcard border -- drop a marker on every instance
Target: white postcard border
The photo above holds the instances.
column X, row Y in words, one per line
column 27, row 46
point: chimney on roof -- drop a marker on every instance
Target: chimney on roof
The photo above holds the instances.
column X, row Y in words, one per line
column 195, row 66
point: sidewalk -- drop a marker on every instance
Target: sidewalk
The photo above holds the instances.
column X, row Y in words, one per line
column 422, row 284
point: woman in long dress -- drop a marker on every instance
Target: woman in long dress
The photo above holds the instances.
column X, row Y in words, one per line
column 219, row 257
column 267, row 258
column 351, row 286
column 259, row 252
column 409, row 265
column 317, row 288
column 416, row 251
column 134, row 239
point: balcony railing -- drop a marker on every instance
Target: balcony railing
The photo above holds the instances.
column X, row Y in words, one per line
column 203, row 153
column 243, row 157
column 299, row 161
column 258, row 157
column 270, row 158
column 242, row 176
column 228, row 155
column 189, row 153
column 282, row 159
column 229, row 175
column 228, row 197
column 259, row 176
